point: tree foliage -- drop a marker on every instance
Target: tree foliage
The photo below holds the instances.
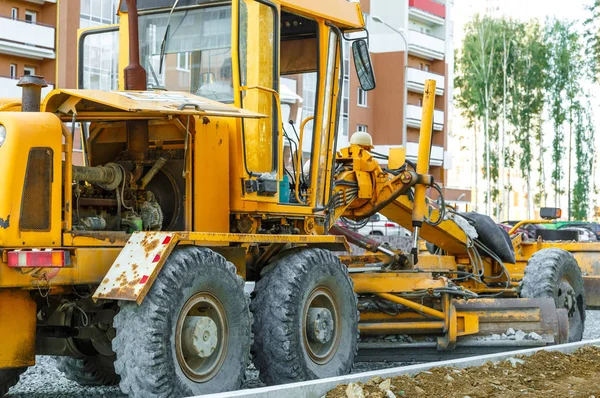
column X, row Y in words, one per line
column 512, row 78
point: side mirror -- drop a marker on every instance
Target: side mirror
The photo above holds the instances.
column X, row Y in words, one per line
column 363, row 65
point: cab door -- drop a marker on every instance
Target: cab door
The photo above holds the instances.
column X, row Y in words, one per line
column 257, row 65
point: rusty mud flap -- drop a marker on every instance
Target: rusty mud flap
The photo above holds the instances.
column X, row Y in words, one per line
column 137, row 266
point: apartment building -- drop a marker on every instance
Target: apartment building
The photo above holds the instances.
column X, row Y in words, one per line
column 27, row 42
column 426, row 27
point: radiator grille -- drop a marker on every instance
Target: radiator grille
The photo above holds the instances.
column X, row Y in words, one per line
column 37, row 190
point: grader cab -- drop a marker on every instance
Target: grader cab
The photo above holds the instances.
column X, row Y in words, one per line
column 132, row 265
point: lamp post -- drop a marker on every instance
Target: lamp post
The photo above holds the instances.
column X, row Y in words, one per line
column 405, row 104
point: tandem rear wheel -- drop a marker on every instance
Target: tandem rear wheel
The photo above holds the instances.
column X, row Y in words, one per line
column 305, row 318
column 192, row 333
column 554, row 273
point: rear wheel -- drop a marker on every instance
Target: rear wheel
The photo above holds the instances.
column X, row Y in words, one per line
column 191, row 334
column 96, row 370
column 554, row 273
column 8, row 378
column 306, row 318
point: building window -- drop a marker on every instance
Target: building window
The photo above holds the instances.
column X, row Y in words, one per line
column 183, row 62
column 362, row 97
column 30, row 16
column 28, row 70
column 426, row 68
column 98, row 12
column 13, row 71
column 420, row 102
column 15, row 13
column 362, row 128
column 345, row 114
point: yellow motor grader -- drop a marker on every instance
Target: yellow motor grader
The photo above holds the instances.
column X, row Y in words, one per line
column 130, row 268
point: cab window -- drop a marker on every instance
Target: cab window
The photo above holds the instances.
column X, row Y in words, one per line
column 189, row 50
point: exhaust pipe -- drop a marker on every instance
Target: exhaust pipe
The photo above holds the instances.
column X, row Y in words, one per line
column 135, row 74
column 32, row 92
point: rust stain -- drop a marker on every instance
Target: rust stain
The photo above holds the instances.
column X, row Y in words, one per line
column 151, row 246
column 126, row 291
column 106, row 280
column 134, row 267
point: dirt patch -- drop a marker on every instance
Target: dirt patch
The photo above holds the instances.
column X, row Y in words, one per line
column 544, row 374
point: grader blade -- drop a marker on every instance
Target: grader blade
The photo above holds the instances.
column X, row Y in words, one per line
column 534, row 322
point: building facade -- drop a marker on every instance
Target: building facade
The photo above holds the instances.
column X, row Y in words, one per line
column 27, row 43
column 426, row 26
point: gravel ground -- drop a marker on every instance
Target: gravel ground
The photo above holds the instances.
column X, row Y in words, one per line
column 45, row 381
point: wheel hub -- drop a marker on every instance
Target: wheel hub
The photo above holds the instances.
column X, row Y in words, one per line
column 199, row 336
column 319, row 325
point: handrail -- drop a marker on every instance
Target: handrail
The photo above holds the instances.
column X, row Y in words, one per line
column 523, row 222
column 278, row 103
column 426, row 34
column 426, row 71
column 299, row 157
column 29, row 22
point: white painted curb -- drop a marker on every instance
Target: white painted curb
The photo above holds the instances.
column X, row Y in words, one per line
column 318, row 388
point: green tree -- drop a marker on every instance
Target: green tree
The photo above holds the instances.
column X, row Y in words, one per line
column 478, row 71
column 528, row 99
column 584, row 152
column 564, row 64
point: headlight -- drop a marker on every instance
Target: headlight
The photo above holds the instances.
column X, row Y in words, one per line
column 2, row 135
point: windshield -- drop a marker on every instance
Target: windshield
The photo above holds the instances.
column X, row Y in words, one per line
column 197, row 51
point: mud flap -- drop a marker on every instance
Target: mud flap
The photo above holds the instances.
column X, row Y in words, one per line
column 17, row 328
column 137, row 266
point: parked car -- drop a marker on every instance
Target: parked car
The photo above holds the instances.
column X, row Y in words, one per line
column 379, row 225
column 585, row 235
column 508, row 227
column 590, row 226
column 528, row 229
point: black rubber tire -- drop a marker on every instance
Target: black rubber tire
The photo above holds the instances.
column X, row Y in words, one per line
column 8, row 378
column 145, row 340
column 278, row 301
column 376, row 233
column 545, row 276
column 98, row 370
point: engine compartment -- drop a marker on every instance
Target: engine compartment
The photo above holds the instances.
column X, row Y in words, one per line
column 129, row 195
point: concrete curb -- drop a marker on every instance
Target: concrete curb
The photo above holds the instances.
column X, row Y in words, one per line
column 318, row 388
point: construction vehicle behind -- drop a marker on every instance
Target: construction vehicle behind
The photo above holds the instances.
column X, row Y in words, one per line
column 131, row 267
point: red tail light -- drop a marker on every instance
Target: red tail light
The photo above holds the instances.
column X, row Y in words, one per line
column 39, row 259
column 391, row 225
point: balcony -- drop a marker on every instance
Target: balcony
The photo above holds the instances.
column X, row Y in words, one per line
column 427, row 11
column 26, row 39
column 9, row 89
column 414, row 114
column 426, row 46
column 415, row 80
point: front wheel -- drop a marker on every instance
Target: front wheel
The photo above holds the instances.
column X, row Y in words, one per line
column 191, row 334
column 554, row 273
column 8, row 378
column 306, row 318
